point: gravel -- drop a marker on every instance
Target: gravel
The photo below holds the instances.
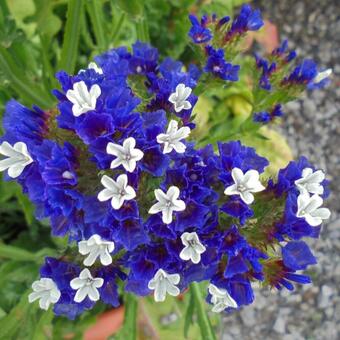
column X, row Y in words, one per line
column 312, row 128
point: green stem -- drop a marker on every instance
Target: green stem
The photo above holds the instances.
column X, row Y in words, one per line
column 15, row 253
column 95, row 11
column 203, row 320
column 71, row 36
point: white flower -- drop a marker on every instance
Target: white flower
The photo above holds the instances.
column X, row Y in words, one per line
column 46, row 291
column 94, row 66
column 172, row 138
column 179, row 97
column 322, row 75
column 310, row 181
column 86, row 285
column 83, row 100
column 309, row 209
column 17, row 158
column 163, row 283
column 118, row 191
column 244, row 185
column 96, row 247
column 193, row 248
column 126, row 155
column 167, row 203
column 221, row 299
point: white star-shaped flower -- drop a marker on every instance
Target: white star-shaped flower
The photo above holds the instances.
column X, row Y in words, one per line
column 310, row 181
column 322, row 75
column 86, row 285
column 83, row 100
column 17, row 158
column 46, row 291
column 167, row 203
column 221, row 299
column 172, row 138
column 244, row 185
column 96, row 247
column 118, row 191
column 193, row 247
column 126, row 155
column 178, row 98
column 309, row 209
column 163, row 283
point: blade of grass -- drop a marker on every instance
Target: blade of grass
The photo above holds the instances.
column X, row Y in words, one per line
column 20, row 84
column 95, row 11
column 70, row 46
column 116, row 30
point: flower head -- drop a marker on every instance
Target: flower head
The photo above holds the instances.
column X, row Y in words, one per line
column 46, row 291
column 163, row 283
column 126, row 155
column 244, row 184
column 172, row 138
column 220, row 298
column 96, row 247
column 117, row 191
column 17, row 158
column 311, row 181
column 167, row 203
column 86, row 285
column 193, row 248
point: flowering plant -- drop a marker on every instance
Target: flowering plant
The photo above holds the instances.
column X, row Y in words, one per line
column 149, row 207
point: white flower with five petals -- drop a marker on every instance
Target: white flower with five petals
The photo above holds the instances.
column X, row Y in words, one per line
column 309, row 209
column 126, row 155
column 46, row 291
column 172, row 138
column 179, row 98
column 83, row 100
column 311, row 181
column 245, row 184
column 221, row 299
column 86, row 285
column 96, row 247
column 163, row 283
column 193, row 247
column 17, row 158
column 117, row 191
column 167, row 203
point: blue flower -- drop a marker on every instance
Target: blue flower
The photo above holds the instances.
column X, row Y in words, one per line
column 199, row 33
column 297, row 255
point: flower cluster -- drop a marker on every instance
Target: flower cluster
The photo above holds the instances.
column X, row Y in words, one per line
column 114, row 169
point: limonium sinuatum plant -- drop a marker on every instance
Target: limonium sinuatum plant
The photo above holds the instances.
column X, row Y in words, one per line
column 116, row 169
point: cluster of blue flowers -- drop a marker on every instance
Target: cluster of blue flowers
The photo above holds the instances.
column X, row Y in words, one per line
column 112, row 167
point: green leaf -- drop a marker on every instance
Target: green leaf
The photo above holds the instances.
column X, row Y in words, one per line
column 207, row 331
column 14, row 253
column 69, row 50
column 129, row 328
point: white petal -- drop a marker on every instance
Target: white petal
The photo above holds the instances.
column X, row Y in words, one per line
column 173, row 193
column 81, row 294
column 167, row 215
column 161, row 196
column 105, row 258
column 247, row 197
column 156, row 208
column 231, row 190
column 105, row 195
column 178, row 205
column 178, row 146
column 15, row 170
column 237, row 175
column 114, row 149
column 93, row 294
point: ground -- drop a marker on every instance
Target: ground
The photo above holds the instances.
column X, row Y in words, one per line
column 312, row 127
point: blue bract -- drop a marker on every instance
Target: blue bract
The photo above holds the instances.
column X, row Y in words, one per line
column 115, row 168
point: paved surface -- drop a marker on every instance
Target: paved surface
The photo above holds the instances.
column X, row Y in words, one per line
column 312, row 127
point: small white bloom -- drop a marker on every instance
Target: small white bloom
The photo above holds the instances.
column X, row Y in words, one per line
column 126, row 154
column 172, row 138
column 221, row 299
column 309, row 209
column 193, row 247
column 310, row 181
column 179, row 97
column 83, row 100
column 244, row 185
column 118, row 191
column 322, row 75
column 94, row 66
column 17, row 158
column 46, row 291
column 96, row 247
column 163, row 283
column 86, row 285
column 167, row 203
